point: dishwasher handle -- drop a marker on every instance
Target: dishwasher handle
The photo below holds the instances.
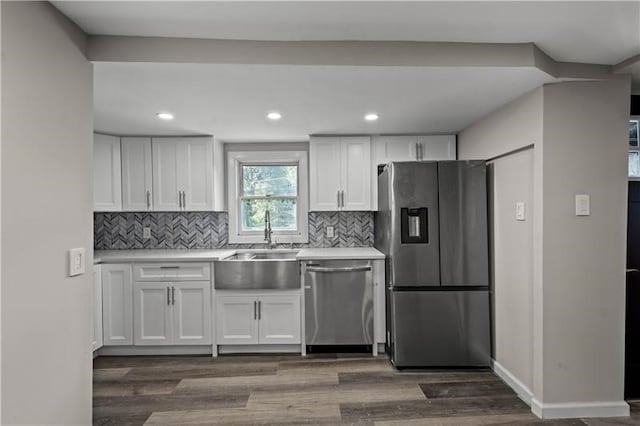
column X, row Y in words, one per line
column 346, row 269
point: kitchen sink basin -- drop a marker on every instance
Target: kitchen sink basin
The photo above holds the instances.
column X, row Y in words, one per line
column 260, row 270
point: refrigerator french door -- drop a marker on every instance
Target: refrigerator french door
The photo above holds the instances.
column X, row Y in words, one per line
column 432, row 226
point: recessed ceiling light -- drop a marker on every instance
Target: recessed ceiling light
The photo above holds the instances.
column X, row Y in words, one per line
column 274, row 115
column 165, row 115
column 371, row 117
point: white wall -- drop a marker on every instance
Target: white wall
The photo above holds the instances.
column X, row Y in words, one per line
column 512, row 264
column 47, row 122
column 507, row 132
column 575, row 290
column 585, row 152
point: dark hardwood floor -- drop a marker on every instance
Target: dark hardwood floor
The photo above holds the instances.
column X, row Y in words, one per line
column 288, row 389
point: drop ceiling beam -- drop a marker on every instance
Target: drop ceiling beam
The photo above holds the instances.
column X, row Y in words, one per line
column 335, row 53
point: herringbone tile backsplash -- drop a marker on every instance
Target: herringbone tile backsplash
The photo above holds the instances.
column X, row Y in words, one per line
column 190, row 230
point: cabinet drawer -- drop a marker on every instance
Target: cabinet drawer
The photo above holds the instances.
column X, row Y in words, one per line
column 172, row 272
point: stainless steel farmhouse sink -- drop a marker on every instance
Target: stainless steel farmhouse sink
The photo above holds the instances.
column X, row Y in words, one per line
column 273, row 270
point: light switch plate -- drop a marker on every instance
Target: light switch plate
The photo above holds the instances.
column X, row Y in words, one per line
column 330, row 233
column 521, row 213
column 76, row 261
column 583, row 205
column 146, row 232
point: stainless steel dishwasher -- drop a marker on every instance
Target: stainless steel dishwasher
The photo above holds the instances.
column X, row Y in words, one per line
column 338, row 302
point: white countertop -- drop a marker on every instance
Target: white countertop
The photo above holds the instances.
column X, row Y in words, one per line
column 200, row 255
column 160, row 255
column 339, row 253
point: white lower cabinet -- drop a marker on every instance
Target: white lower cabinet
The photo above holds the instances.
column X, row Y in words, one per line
column 96, row 298
column 257, row 318
column 117, row 319
column 172, row 313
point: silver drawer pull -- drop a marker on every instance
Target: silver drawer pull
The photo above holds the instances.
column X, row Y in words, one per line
column 169, row 267
column 347, row 269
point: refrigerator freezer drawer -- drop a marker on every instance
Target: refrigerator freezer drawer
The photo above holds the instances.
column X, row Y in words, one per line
column 440, row 328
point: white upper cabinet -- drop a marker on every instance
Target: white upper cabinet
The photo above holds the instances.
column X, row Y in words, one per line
column 137, row 187
column 106, row 173
column 413, row 148
column 182, row 174
column 340, row 173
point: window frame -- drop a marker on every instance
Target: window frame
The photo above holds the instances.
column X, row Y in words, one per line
column 235, row 161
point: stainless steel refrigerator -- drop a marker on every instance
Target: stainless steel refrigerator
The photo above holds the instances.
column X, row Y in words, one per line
column 432, row 226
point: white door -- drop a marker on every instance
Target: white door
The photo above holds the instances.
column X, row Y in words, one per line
column 117, row 312
column 195, row 176
column 152, row 303
column 192, row 313
column 279, row 319
column 394, row 148
column 106, row 173
column 136, row 174
column 356, row 173
column 324, row 173
column 96, row 340
column 165, row 174
column 236, row 319
column 438, row 147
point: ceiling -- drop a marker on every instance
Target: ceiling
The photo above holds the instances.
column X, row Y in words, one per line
column 231, row 101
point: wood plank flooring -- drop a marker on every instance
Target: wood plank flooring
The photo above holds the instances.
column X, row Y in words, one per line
column 287, row 389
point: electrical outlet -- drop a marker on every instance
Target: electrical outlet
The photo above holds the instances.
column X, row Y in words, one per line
column 330, row 232
column 146, row 232
column 76, row 261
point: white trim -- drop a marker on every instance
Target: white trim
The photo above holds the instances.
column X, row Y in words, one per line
column 232, row 349
column 571, row 410
column 524, row 393
column 155, row 350
column 234, row 158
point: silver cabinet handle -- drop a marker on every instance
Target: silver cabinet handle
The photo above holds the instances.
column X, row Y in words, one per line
column 148, row 200
column 338, row 195
column 168, row 296
column 169, row 267
column 417, row 152
column 180, row 199
column 342, row 198
column 347, row 269
column 255, row 309
column 259, row 309
column 173, row 295
column 184, row 200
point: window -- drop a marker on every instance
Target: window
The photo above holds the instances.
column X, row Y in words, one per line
column 267, row 180
column 272, row 187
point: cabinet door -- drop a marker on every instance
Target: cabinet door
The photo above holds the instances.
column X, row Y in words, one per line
column 395, row 148
column 324, row 173
column 165, row 174
column 96, row 335
column 279, row 319
column 117, row 312
column 106, row 173
column 236, row 320
column 438, row 147
column 356, row 173
column 192, row 313
column 195, row 175
column 136, row 174
column 152, row 313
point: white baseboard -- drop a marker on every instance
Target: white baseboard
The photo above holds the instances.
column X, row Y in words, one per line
column 571, row 410
column 514, row 383
column 239, row 349
column 154, row 350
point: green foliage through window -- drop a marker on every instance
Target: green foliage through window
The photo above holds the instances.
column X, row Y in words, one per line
column 272, row 187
